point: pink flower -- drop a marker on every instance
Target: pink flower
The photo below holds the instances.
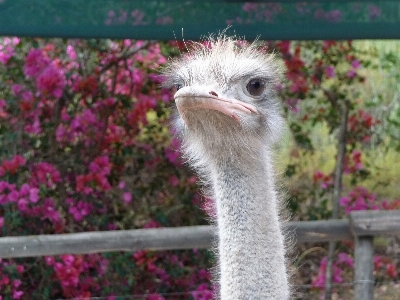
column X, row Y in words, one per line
column 16, row 89
column 45, row 173
column 23, row 204
column 152, row 224
column 5, row 54
column 20, row 269
column 50, row 212
column 319, row 281
column 49, row 260
column 391, row 270
column 351, row 74
column 355, row 64
column 172, row 152
column 330, row 71
column 51, row 81
column 202, row 292
column 101, row 164
column 359, row 199
column 127, row 197
column 344, row 258
column 344, row 201
column 81, row 210
column 173, row 180
column 35, row 63
column 71, row 52
column 68, row 259
column 62, row 133
column 24, row 190
column 12, row 165
column 1, row 222
column 16, row 283
column 34, row 127
column 293, row 105
column 17, row 294
column 7, row 49
column 34, row 195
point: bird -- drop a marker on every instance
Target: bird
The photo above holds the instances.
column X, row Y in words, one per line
column 228, row 118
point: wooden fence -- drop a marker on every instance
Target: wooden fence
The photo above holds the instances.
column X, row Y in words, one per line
column 362, row 226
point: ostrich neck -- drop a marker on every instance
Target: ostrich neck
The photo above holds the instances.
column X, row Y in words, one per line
column 251, row 244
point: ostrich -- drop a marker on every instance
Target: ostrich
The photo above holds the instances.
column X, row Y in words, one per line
column 228, row 120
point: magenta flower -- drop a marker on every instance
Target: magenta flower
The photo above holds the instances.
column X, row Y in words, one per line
column 34, row 195
column 16, row 89
column 35, row 63
column 358, row 199
column 23, row 205
column 202, row 292
column 344, row 258
column 71, row 52
column 20, row 269
column 45, row 173
column 34, row 127
column 81, row 210
column 51, row 82
column 330, row 71
column 127, row 197
column 7, row 49
column 49, row 260
column 355, row 64
column 101, row 164
column 319, row 280
column 5, row 54
column 172, row 152
column 293, row 105
column 351, row 74
column 50, row 212
column 17, row 294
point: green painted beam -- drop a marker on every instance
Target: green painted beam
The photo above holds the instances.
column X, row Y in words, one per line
column 164, row 20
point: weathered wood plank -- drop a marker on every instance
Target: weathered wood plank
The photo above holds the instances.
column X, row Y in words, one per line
column 367, row 223
column 107, row 241
column 374, row 222
column 364, row 268
column 153, row 239
column 319, row 231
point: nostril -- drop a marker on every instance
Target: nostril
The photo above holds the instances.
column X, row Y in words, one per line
column 213, row 93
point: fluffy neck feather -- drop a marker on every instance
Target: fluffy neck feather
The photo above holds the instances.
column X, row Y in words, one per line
column 251, row 244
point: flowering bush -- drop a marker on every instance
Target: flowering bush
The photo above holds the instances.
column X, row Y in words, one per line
column 322, row 78
column 86, row 146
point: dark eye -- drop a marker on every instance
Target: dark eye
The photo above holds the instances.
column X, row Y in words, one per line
column 178, row 86
column 256, row 87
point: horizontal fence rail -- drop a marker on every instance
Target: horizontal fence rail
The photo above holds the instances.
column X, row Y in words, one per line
column 361, row 223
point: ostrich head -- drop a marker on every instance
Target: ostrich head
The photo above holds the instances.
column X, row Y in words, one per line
column 226, row 98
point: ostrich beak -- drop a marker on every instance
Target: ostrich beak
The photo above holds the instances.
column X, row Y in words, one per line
column 188, row 98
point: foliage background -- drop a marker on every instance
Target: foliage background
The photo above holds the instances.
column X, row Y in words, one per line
column 86, row 146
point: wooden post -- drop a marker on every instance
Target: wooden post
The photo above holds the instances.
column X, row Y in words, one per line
column 364, row 267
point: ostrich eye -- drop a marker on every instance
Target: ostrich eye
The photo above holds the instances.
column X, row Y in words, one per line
column 178, row 86
column 256, row 87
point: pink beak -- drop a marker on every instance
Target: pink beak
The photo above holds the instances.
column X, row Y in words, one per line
column 188, row 98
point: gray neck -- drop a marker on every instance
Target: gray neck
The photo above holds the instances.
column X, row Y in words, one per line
column 251, row 244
